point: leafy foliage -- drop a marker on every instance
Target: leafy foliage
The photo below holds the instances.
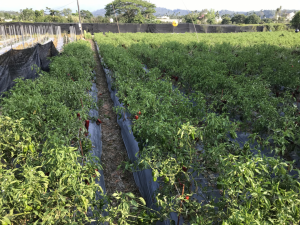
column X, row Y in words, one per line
column 131, row 11
column 295, row 22
column 252, row 19
column 44, row 177
column 240, row 78
column 238, row 18
column 226, row 20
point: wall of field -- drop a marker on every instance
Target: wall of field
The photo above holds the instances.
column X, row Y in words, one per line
column 149, row 28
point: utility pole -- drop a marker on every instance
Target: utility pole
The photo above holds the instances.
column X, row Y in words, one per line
column 80, row 25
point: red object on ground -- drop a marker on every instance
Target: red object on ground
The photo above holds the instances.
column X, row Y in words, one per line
column 136, row 117
column 140, row 113
column 187, row 197
column 98, row 122
column 86, row 182
column 87, row 124
column 184, row 168
column 176, row 78
column 78, row 115
column 72, row 78
column 86, row 133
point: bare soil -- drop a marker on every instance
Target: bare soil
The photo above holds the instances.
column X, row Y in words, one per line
column 113, row 148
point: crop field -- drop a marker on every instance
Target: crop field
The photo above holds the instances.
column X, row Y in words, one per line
column 210, row 123
column 191, row 99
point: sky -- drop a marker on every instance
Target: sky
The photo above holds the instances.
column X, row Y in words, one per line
column 93, row 5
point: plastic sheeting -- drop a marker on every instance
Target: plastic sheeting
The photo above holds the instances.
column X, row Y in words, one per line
column 60, row 44
column 168, row 28
column 149, row 28
column 18, row 63
column 9, row 47
column 95, row 136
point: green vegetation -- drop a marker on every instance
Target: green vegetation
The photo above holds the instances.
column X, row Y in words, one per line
column 241, row 76
column 137, row 11
column 43, row 180
column 190, row 98
column 296, row 20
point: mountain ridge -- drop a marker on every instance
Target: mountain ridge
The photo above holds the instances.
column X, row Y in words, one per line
column 160, row 11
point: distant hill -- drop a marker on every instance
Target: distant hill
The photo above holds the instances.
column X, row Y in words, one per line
column 164, row 11
column 99, row 12
column 181, row 12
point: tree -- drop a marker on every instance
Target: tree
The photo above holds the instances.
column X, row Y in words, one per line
column 27, row 14
column 211, row 16
column 86, row 14
column 130, row 10
column 7, row 16
column 226, row 20
column 226, row 15
column 261, row 13
column 278, row 12
column 100, row 19
column 66, row 12
column 267, row 20
column 39, row 13
column 52, row 12
column 193, row 17
column 14, row 17
column 238, row 18
column 295, row 22
column 75, row 14
column 252, row 19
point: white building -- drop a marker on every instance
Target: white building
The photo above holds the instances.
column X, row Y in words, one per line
column 167, row 19
column 218, row 19
column 290, row 16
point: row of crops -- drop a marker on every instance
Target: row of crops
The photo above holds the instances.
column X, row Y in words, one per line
column 189, row 109
column 47, row 175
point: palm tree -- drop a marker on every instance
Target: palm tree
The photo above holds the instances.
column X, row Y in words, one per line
column 278, row 12
column 261, row 13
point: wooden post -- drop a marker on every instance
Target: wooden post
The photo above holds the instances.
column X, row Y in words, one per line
column 79, row 19
column 116, row 18
column 22, row 36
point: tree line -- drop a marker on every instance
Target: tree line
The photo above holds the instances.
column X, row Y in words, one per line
column 142, row 11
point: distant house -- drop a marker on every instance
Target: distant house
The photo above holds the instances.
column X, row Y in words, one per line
column 290, row 16
column 167, row 19
column 8, row 20
column 219, row 19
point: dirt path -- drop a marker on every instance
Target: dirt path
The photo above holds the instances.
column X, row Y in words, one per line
column 113, row 148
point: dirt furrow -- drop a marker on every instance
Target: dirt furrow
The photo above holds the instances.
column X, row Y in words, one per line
column 113, row 148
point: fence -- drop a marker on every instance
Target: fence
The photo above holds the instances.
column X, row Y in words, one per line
column 149, row 28
column 21, row 36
